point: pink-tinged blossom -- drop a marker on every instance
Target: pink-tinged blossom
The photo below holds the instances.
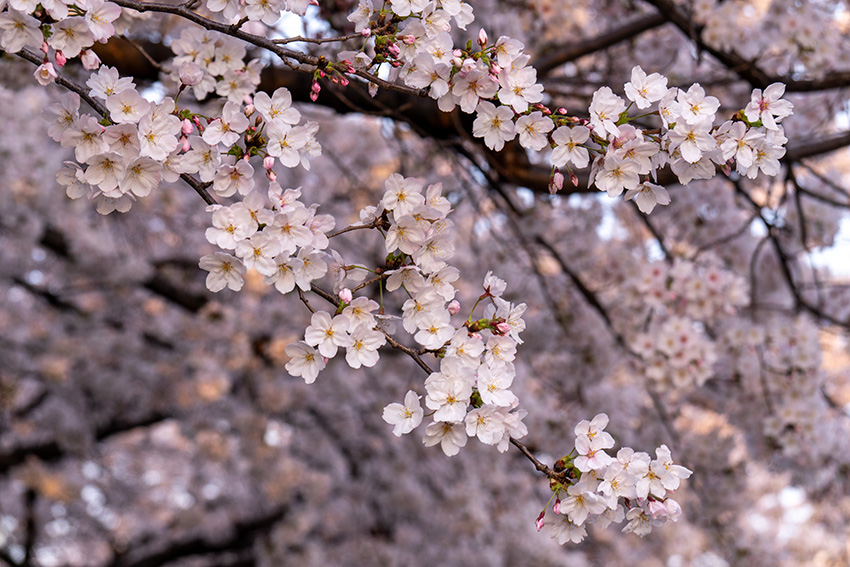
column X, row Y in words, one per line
column 643, row 89
column 363, row 350
column 108, row 82
column 304, row 361
column 533, row 129
column 259, row 252
column 692, row 139
column 768, row 107
column 19, row 30
column 70, row 36
column 284, row 277
column 86, row 137
column 230, row 225
column 231, row 179
column 128, row 106
column 616, row 175
column 141, row 176
column 494, row 124
column 562, row 529
column 361, row 15
column 99, row 17
column 493, row 383
column 158, row 136
column 105, row 170
column 224, row 271
column 605, row 110
column 451, row 436
column 568, row 146
column 695, row 106
column 426, row 72
column 312, row 267
column 435, row 329
column 327, row 334
column 45, row 73
column 285, row 142
column 277, row 108
column 404, row 417
column 519, row 86
column 647, row 195
column 405, row 235
column 226, row 130
column 472, row 87
column 449, row 396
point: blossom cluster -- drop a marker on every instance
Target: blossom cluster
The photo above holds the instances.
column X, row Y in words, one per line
column 143, row 143
column 599, row 489
column 681, row 299
column 470, row 395
column 625, row 157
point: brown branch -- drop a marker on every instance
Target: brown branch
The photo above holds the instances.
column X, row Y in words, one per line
column 745, row 69
column 558, row 55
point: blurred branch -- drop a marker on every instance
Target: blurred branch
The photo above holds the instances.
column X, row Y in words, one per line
column 745, row 69
column 554, row 56
column 243, row 536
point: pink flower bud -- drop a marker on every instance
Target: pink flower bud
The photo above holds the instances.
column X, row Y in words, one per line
column 271, row 175
column 454, row 307
column 44, row 46
column 561, row 110
column 574, row 179
column 249, row 111
column 503, row 328
column 394, row 50
column 90, row 60
column 314, row 96
column 557, row 507
column 365, row 32
column 268, row 162
column 556, row 183
column 186, row 145
column 61, row 59
column 188, row 127
column 495, row 68
column 457, row 53
column 409, row 39
column 190, row 73
column 315, row 87
column 343, row 81
column 539, row 521
column 482, row 37
column 345, row 295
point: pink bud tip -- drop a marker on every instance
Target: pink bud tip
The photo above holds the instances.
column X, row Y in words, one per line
column 539, row 521
column 454, row 307
column 268, row 162
column 345, row 295
column 314, row 96
column 343, row 81
column 365, row 32
column 562, row 110
column 482, row 38
column 44, row 46
column 574, row 179
column 503, row 328
column 61, row 59
column 187, row 127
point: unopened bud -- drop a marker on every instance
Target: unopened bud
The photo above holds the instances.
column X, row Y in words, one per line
column 556, row 183
column 44, row 47
column 457, row 53
column 345, row 295
column 394, row 50
column 503, row 328
column 454, row 307
column 249, row 111
column 574, row 179
column 315, row 87
column 365, row 32
column 482, row 37
column 409, row 39
column 61, row 59
column 557, row 507
column 539, row 521
column 343, row 81
column 187, row 127
column 562, row 110
column 186, row 145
